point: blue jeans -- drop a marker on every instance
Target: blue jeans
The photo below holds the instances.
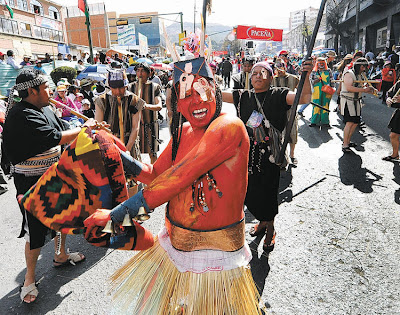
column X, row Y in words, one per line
column 303, row 107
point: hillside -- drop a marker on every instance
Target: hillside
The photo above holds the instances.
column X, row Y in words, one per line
column 218, row 32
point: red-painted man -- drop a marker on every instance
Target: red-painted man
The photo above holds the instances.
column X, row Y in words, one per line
column 200, row 261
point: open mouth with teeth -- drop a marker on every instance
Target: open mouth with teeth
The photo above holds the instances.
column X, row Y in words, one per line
column 200, row 113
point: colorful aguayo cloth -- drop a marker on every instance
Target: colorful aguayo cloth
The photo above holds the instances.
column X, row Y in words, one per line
column 320, row 116
column 88, row 176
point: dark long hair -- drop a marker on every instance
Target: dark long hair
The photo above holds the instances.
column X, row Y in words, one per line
column 178, row 119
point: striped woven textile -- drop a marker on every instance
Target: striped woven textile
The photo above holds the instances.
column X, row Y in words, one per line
column 88, row 176
column 38, row 164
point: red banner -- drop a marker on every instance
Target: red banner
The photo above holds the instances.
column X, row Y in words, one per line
column 257, row 33
column 220, row 53
column 81, row 5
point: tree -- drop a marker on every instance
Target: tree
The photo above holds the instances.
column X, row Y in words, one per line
column 63, row 72
column 334, row 16
column 306, row 33
column 233, row 47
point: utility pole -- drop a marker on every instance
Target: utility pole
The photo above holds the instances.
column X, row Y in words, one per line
column 87, row 14
column 194, row 17
column 356, row 35
column 204, row 13
column 181, row 14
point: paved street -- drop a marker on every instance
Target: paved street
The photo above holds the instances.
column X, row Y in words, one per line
column 337, row 247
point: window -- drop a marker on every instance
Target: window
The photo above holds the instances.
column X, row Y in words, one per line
column 11, row 3
column 381, row 37
column 46, row 33
column 22, row 5
column 37, row 31
column 53, row 13
column 36, row 7
column 8, row 26
column 25, row 29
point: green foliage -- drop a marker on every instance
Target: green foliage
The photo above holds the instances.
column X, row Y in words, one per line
column 63, row 72
column 234, row 46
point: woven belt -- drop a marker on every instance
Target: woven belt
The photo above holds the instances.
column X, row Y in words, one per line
column 38, row 165
column 349, row 98
column 228, row 239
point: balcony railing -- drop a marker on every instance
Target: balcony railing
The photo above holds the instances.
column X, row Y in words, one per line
column 28, row 30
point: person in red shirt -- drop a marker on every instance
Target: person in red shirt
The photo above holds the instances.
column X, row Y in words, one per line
column 388, row 79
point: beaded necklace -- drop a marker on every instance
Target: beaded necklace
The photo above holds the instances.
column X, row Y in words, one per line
column 199, row 198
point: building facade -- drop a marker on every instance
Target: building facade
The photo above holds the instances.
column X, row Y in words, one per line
column 297, row 17
column 76, row 28
column 379, row 25
column 147, row 24
column 36, row 28
column 296, row 39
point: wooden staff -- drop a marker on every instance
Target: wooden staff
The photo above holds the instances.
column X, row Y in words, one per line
column 319, row 106
column 139, row 89
column 121, row 121
column 369, row 84
column 397, row 93
column 293, row 110
column 85, row 118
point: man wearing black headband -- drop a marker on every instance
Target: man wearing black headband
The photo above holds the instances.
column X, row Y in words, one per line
column 33, row 137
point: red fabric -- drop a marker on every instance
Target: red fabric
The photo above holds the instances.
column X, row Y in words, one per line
column 2, row 117
column 349, row 66
column 81, row 5
column 388, row 75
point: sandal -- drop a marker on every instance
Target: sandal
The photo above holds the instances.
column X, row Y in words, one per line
column 352, row 145
column 390, row 158
column 269, row 247
column 294, row 161
column 346, row 150
column 29, row 290
column 257, row 230
column 73, row 259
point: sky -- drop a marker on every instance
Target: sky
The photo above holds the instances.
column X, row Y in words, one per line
column 260, row 13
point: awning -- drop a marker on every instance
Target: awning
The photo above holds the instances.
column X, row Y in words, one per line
column 113, row 51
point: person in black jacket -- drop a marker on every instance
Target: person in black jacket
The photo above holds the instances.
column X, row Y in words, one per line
column 226, row 72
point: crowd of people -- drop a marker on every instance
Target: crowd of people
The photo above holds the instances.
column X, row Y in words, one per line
column 241, row 153
column 347, row 77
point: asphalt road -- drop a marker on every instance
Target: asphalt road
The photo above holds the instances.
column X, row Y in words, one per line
column 337, row 246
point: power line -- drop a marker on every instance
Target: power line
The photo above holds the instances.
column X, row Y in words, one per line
column 219, row 32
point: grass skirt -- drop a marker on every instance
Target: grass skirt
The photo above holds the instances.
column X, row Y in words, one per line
column 149, row 283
